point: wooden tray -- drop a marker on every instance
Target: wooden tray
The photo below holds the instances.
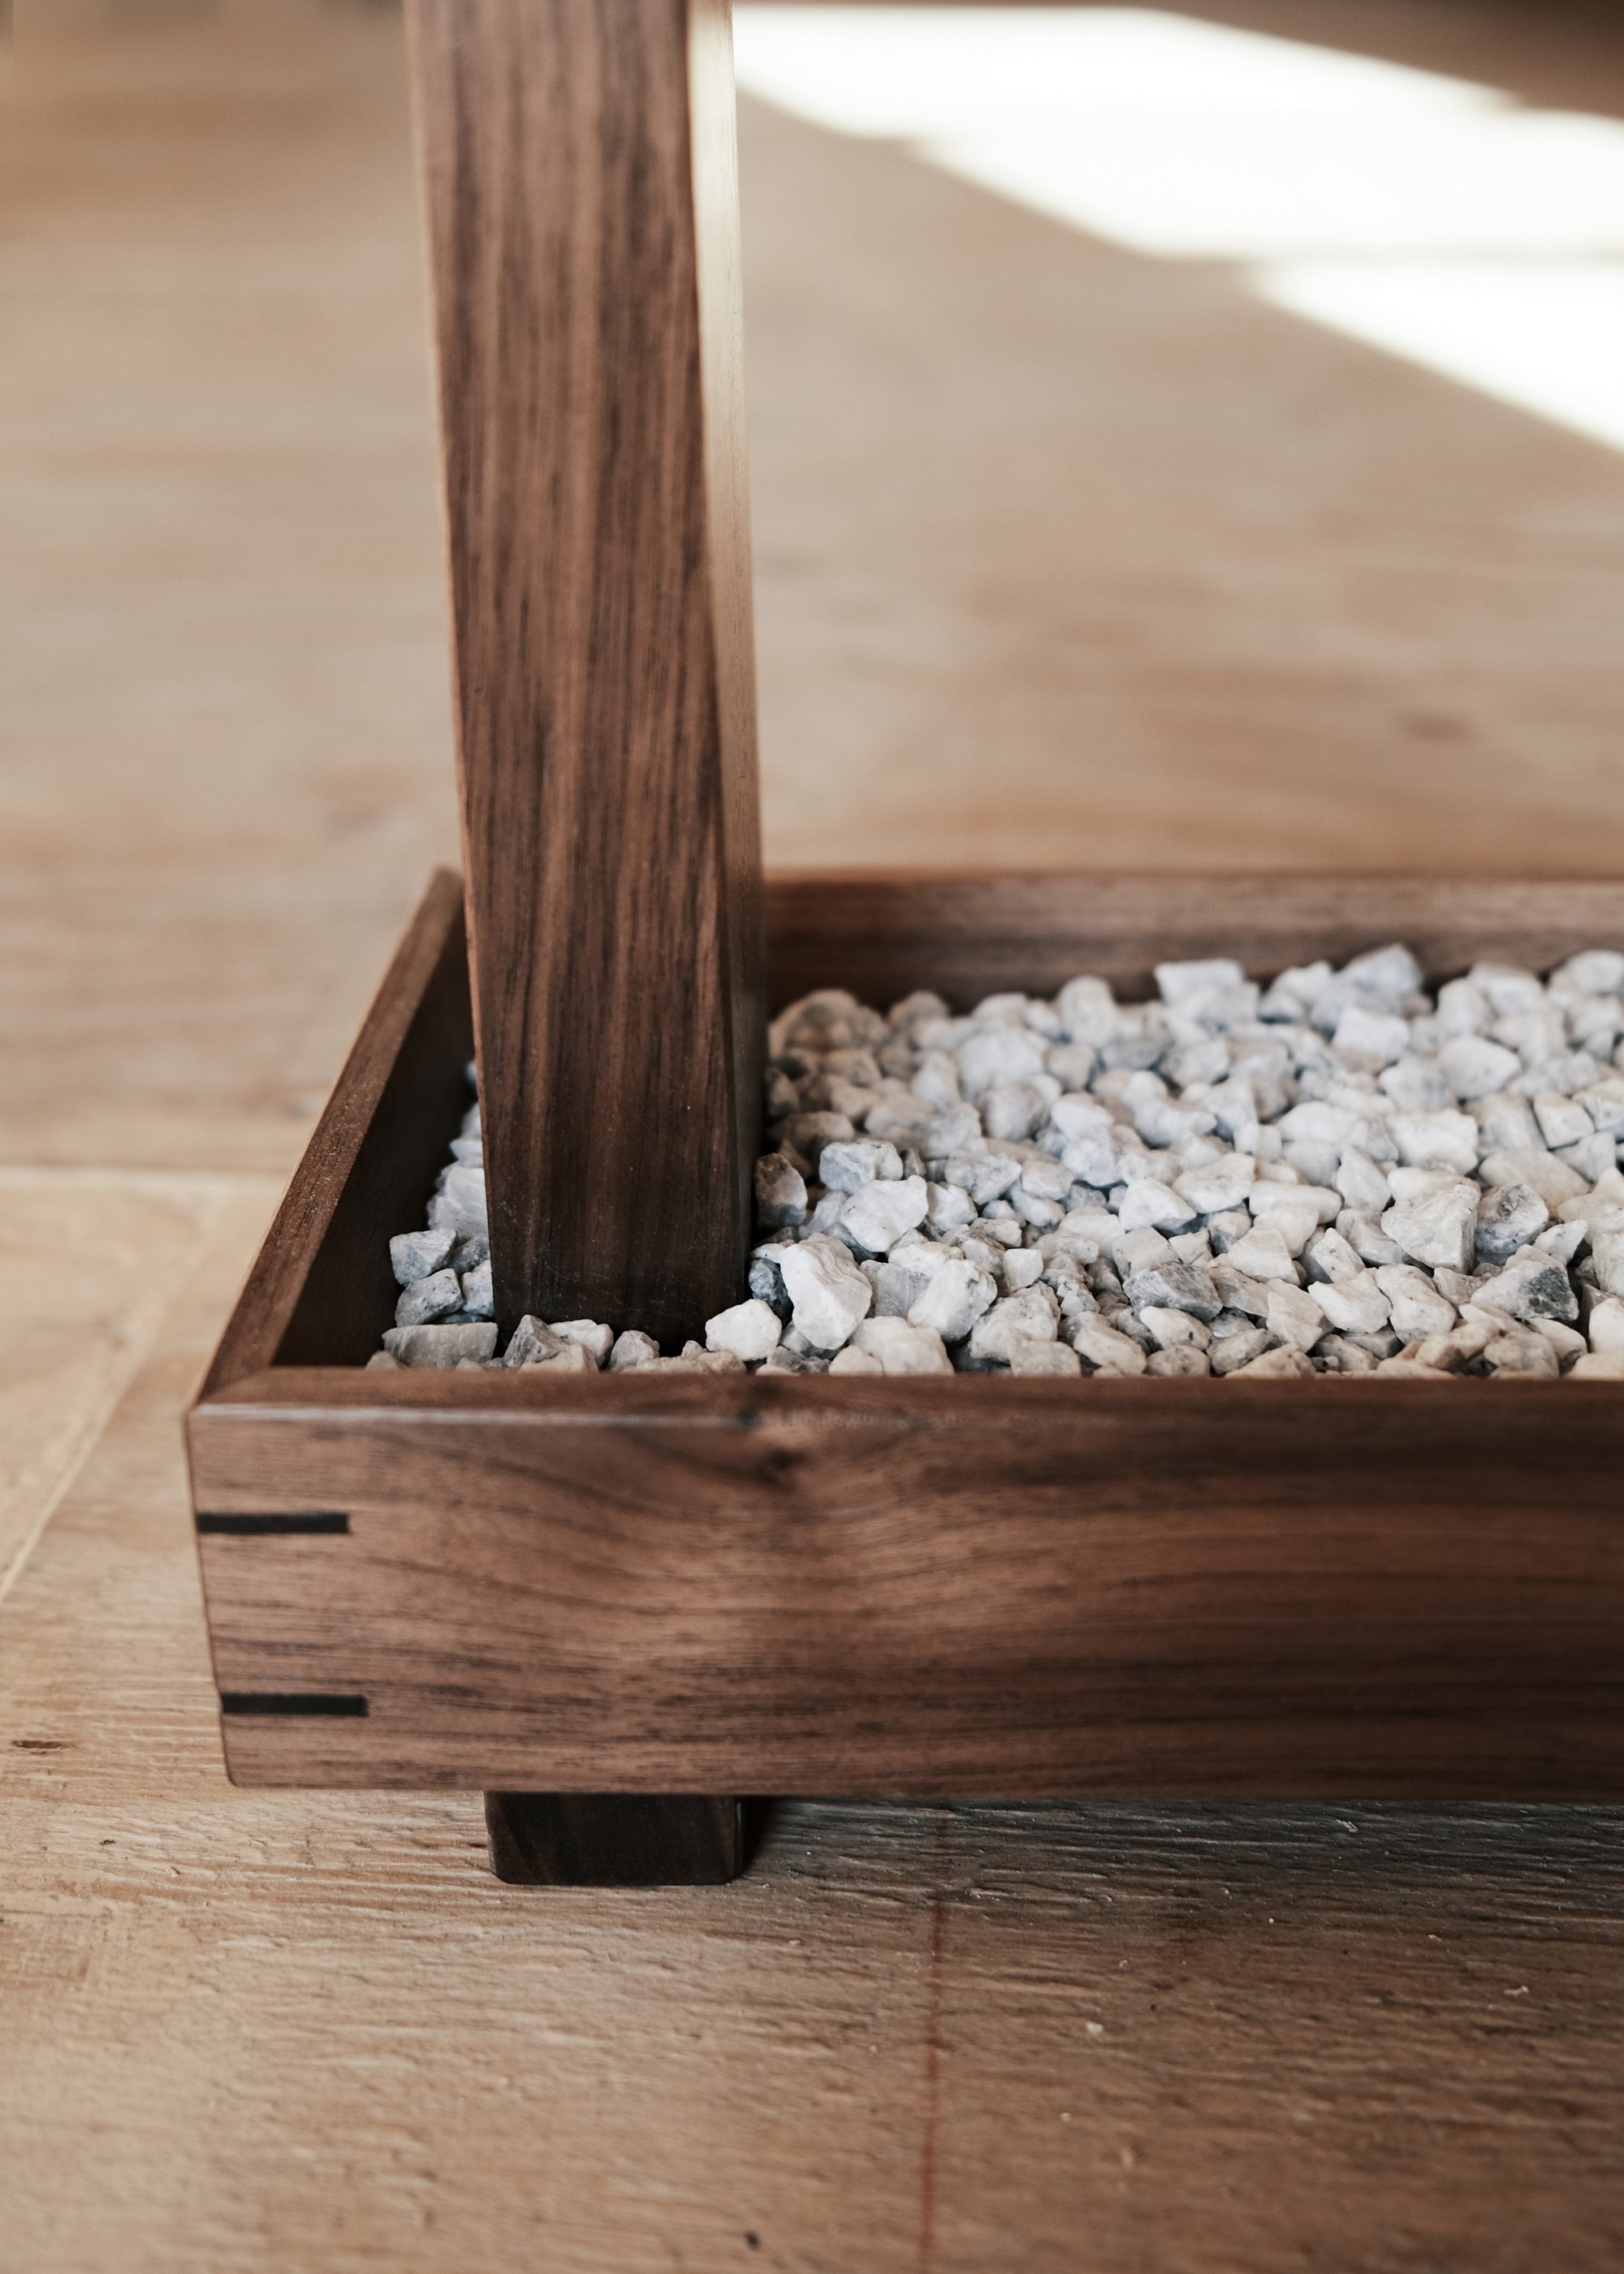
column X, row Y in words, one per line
column 692, row 1585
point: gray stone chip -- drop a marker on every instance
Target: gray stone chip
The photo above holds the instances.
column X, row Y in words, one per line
column 1176, row 1287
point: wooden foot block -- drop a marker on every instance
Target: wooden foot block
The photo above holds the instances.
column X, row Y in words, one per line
column 613, row 1839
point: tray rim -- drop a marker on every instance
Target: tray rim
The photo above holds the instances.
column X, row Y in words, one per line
column 245, row 1371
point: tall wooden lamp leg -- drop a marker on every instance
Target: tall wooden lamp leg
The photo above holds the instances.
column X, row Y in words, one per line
column 581, row 184
column 583, row 208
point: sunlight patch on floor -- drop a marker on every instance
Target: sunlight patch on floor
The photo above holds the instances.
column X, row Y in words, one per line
column 1428, row 216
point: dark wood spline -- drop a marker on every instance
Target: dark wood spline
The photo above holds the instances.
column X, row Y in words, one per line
column 317, row 1522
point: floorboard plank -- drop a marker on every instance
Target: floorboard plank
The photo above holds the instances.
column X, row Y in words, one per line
column 253, row 2029
column 89, row 1263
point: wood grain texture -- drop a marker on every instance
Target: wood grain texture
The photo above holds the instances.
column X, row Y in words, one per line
column 986, row 1586
column 259, row 2031
column 970, row 933
column 224, row 687
column 613, row 1839
column 90, row 1262
column 321, row 1290
column 578, row 159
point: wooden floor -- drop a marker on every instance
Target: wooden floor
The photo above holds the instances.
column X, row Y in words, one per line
column 1062, row 556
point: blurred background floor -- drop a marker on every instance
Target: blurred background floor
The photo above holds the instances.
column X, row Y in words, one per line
column 1064, row 555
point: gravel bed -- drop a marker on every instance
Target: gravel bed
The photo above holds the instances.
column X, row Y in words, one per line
column 1340, row 1173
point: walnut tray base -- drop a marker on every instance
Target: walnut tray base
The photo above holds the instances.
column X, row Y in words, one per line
column 703, row 1584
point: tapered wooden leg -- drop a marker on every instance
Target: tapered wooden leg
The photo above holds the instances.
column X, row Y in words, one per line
column 582, row 204
column 614, row 1840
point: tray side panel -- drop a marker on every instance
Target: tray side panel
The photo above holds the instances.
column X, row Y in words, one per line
column 320, row 1290
column 973, row 935
column 1318, row 1590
